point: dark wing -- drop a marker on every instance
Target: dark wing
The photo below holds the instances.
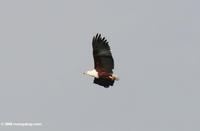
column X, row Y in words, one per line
column 104, row 82
column 102, row 55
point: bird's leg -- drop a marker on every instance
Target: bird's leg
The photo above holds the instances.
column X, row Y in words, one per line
column 113, row 77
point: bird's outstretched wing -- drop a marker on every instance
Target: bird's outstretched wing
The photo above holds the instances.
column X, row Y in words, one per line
column 102, row 55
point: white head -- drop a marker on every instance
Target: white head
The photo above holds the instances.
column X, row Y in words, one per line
column 92, row 73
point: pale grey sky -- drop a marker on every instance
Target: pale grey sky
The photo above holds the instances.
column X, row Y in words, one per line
column 45, row 45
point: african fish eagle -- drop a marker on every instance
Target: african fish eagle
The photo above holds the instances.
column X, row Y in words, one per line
column 103, row 63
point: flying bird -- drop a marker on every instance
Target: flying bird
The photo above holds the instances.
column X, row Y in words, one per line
column 103, row 63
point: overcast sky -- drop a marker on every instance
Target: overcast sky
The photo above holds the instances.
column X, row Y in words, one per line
column 45, row 46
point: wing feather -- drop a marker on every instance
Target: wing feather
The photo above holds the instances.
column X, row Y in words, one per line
column 102, row 55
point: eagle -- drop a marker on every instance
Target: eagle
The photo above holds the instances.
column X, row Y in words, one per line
column 103, row 63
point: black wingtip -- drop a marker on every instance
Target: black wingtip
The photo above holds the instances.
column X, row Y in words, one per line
column 98, row 37
column 104, row 82
column 100, row 42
